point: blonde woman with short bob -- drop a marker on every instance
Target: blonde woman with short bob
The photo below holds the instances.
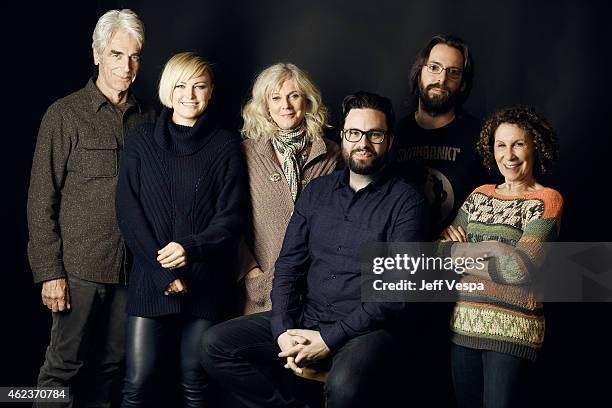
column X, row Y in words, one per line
column 285, row 148
column 181, row 199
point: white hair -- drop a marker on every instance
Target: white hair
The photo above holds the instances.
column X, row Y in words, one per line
column 113, row 21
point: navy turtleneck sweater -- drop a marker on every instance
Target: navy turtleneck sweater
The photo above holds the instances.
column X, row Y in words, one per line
column 187, row 185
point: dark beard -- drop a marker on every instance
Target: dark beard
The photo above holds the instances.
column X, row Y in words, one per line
column 438, row 104
column 368, row 169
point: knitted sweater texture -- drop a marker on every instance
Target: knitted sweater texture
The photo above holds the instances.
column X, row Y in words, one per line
column 187, row 186
column 506, row 317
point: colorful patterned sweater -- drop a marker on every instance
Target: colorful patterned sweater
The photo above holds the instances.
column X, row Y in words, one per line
column 505, row 317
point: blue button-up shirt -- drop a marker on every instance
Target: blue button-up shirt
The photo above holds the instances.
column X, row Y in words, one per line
column 317, row 280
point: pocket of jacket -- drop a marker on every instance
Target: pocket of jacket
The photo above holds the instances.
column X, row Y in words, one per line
column 98, row 158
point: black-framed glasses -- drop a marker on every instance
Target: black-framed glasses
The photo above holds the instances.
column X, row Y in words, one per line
column 375, row 136
column 437, row 69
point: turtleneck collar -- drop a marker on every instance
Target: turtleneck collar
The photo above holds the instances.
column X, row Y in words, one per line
column 183, row 140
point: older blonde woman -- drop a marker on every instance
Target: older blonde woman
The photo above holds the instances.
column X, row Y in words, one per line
column 181, row 198
column 285, row 149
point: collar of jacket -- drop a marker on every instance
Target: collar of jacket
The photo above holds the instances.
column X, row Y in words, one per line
column 98, row 99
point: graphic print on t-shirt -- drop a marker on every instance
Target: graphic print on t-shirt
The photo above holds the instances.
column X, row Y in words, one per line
column 442, row 161
column 439, row 193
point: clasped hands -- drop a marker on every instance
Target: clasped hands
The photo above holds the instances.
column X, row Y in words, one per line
column 300, row 347
column 173, row 256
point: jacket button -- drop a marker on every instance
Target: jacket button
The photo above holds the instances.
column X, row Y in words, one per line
column 275, row 177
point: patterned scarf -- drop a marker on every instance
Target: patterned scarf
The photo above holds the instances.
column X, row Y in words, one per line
column 290, row 145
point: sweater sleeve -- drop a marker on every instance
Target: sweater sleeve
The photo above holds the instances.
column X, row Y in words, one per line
column 230, row 208
column 131, row 218
column 53, row 148
column 513, row 267
column 442, row 247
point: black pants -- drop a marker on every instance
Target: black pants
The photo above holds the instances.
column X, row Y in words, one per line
column 485, row 378
column 242, row 356
column 149, row 342
column 86, row 349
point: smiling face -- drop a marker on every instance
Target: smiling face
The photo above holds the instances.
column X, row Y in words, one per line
column 514, row 153
column 118, row 65
column 190, row 99
column 287, row 105
column 437, row 92
column 365, row 157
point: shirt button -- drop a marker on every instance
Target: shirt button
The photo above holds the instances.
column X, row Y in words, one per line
column 339, row 248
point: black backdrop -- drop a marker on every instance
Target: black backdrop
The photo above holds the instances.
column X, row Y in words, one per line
column 550, row 54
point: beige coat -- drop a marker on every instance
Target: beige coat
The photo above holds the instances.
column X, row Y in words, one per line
column 272, row 206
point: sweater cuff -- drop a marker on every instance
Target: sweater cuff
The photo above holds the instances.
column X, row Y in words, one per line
column 333, row 335
column 493, row 272
column 191, row 247
column 162, row 277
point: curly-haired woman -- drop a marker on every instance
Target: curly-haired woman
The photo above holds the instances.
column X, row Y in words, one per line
column 497, row 332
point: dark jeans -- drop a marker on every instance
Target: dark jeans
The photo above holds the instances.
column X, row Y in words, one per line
column 242, row 356
column 149, row 342
column 485, row 378
column 86, row 348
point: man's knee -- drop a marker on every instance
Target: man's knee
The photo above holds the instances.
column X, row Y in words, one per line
column 212, row 342
column 342, row 389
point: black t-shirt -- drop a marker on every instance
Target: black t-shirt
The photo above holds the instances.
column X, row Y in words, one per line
column 443, row 162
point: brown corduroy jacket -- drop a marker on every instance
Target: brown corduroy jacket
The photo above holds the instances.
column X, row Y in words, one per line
column 71, row 200
column 272, row 206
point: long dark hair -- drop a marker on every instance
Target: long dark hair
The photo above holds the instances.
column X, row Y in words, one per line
column 468, row 67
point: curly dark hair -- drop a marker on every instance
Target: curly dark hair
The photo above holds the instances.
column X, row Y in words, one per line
column 534, row 124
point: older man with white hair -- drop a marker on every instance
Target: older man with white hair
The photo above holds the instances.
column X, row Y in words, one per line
column 75, row 248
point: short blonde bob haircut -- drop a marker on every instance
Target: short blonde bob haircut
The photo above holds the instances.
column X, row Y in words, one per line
column 181, row 67
column 257, row 120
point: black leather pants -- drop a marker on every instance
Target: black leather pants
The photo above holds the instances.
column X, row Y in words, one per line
column 149, row 342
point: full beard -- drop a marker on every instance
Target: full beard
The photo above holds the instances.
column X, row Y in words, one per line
column 437, row 104
column 368, row 168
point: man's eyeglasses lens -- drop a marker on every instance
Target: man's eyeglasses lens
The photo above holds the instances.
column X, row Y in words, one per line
column 437, row 69
column 355, row 135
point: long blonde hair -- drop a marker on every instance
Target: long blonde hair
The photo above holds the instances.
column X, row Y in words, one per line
column 257, row 122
